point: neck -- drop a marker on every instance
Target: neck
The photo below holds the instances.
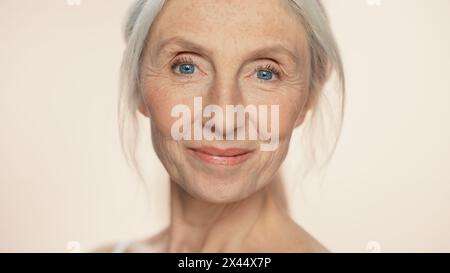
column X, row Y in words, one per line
column 200, row 226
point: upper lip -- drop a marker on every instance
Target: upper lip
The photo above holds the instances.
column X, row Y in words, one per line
column 227, row 152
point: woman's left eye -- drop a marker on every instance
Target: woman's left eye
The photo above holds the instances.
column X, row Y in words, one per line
column 264, row 75
column 267, row 73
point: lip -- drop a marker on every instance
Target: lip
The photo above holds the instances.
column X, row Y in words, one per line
column 218, row 156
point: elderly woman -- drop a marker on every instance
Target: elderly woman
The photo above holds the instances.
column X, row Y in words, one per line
column 226, row 193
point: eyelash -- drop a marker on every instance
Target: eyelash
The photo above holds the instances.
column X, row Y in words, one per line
column 188, row 60
column 269, row 67
column 182, row 60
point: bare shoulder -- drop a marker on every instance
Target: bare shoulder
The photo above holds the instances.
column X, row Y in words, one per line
column 155, row 243
column 288, row 236
column 303, row 241
column 107, row 248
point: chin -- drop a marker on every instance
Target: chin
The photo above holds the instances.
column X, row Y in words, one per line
column 221, row 190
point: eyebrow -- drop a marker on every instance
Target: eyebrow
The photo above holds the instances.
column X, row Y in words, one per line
column 280, row 49
column 195, row 47
column 182, row 42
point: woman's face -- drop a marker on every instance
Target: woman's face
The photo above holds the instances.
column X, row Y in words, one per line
column 249, row 52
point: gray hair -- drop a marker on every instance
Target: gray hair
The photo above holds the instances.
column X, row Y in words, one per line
column 325, row 62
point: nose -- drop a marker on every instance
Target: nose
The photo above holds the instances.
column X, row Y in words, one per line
column 224, row 91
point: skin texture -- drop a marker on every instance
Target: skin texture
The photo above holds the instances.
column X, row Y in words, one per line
column 226, row 208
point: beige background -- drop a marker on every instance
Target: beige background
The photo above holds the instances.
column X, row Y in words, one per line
column 63, row 178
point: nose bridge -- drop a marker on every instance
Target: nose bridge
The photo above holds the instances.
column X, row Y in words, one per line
column 224, row 89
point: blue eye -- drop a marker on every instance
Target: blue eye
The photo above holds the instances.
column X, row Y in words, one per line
column 186, row 68
column 264, row 75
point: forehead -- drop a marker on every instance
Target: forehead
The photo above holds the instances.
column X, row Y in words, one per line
column 230, row 24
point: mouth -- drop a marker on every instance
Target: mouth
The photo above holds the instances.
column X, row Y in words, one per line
column 217, row 156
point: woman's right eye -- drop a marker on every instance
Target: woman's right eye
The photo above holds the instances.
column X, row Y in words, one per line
column 186, row 69
column 184, row 65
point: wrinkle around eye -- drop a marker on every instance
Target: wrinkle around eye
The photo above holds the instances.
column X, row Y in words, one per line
column 148, row 71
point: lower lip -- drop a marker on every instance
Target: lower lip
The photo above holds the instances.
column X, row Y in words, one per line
column 221, row 160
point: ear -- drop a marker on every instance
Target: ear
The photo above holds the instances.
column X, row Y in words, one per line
column 300, row 119
column 306, row 108
column 142, row 108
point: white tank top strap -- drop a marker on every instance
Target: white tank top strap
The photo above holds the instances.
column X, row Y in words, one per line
column 121, row 247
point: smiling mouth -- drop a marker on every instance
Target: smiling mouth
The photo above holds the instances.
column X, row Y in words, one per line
column 217, row 156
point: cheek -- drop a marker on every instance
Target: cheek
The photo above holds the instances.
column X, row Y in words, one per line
column 161, row 98
column 290, row 105
column 160, row 114
column 290, row 96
